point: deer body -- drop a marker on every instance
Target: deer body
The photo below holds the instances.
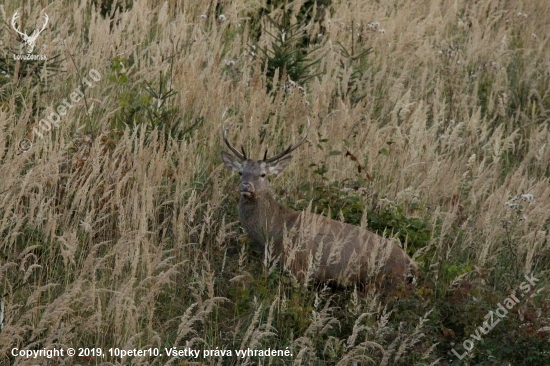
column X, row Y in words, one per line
column 312, row 246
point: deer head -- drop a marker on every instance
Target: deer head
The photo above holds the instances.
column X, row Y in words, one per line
column 254, row 173
column 29, row 40
column 310, row 245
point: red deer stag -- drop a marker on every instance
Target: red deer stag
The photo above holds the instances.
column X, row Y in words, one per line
column 312, row 246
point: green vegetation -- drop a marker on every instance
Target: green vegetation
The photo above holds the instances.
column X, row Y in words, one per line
column 429, row 126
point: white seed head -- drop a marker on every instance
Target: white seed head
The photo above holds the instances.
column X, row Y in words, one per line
column 373, row 25
column 86, row 226
column 528, row 197
column 511, row 205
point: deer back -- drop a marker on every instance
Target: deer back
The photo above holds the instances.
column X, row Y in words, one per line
column 332, row 251
column 310, row 246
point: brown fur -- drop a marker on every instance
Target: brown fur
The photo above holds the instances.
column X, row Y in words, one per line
column 312, row 246
column 348, row 254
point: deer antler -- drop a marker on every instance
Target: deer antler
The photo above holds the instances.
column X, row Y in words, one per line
column 289, row 149
column 43, row 26
column 235, row 151
column 13, row 19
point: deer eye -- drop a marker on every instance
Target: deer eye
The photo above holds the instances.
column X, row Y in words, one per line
column 262, row 175
column 240, row 173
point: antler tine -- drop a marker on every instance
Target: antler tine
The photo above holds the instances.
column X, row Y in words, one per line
column 233, row 150
column 46, row 17
column 244, row 152
column 265, row 154
column 13, row 19
column 289, row 149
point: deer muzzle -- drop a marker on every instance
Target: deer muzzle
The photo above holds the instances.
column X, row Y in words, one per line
column 247, row 189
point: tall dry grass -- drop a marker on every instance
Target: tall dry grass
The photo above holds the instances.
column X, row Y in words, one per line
column 128, row 237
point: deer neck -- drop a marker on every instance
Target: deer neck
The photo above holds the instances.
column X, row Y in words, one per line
column 263, row 218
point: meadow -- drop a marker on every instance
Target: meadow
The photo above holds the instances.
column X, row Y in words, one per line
column 118, row 221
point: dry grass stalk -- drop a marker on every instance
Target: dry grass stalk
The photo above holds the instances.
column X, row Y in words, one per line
column 115, row 236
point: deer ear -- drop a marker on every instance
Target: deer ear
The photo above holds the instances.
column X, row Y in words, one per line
column 279, row 166
column 231, row 162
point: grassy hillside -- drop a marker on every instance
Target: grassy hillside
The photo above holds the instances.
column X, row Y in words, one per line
column 118, row 221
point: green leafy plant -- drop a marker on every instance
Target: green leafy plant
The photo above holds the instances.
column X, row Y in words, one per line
column 356, row 59
column 153, row 108
column 346, row 199
column 287, row 56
